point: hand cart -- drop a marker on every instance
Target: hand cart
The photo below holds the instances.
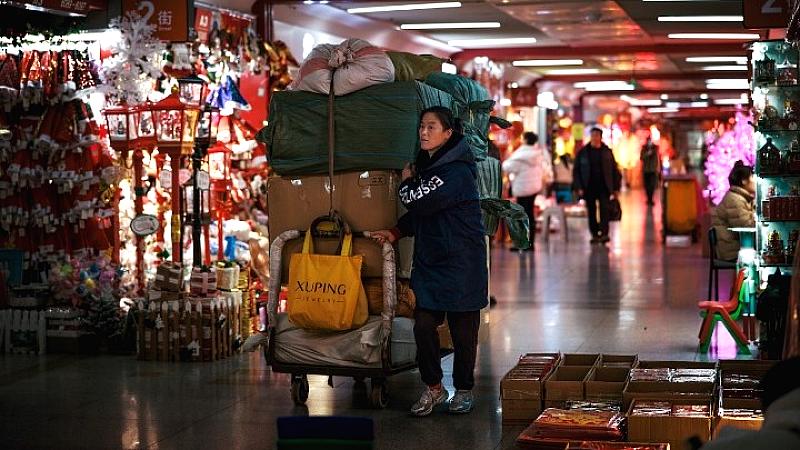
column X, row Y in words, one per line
column 379, row 392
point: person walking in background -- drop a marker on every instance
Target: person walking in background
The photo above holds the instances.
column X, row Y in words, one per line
column 737, row 209
column 449, row 276
column 597, row 180
column 651, row 167
column 525, row 169
column 562, row 179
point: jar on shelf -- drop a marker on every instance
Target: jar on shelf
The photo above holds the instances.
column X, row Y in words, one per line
column 765, row 70
column 793, row 158
column 769, row 159
column 773, row 253
column 791, row 244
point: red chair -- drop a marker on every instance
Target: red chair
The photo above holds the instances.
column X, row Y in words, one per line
column 727, row 312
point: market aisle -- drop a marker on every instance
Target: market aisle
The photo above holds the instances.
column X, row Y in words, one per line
column 635, row 296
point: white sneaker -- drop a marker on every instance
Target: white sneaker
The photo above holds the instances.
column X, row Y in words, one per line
column 428, row 400
column 462, row 402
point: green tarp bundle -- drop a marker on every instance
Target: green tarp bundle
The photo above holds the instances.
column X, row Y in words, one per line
column 472, row 104
column 490, row 185
column 375, row 128
column 515, row 216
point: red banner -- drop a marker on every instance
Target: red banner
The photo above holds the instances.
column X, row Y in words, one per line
column 202, row 23
column 170, row 18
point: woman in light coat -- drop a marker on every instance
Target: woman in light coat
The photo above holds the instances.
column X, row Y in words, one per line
column 525, row 169
column 736, row 209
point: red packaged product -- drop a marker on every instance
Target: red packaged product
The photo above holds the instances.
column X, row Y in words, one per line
column 690, row 410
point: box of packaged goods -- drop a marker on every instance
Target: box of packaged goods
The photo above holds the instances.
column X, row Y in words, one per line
column 521, row 389
column 566, row 383
column 228, row 275
column 605, row 445
column 673, row 422
column 203, row 280
column 740, row 394
column 197, row 329
column 555, row 428
column 169, row 276
column 606, row 382
column 671, row 380
column 580, row 359
column 626, row 361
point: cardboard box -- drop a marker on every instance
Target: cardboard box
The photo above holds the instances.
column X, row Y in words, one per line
column 670, row 390
column 366, row 200
column 672, row 430
column 663, row 392
column 520, row 411
column 606, row 383
column 580, row 359
column 628, row 361
column 744, row 423
column 566, row 383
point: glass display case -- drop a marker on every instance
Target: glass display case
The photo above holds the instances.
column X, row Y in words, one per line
column 776, row 113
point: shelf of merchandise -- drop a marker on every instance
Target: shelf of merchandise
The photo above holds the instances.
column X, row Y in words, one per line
column 777, row 107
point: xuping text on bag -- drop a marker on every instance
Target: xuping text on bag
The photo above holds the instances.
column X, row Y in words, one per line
column 325, row 288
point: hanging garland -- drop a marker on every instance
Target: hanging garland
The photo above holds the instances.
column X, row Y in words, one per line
column 129, row 74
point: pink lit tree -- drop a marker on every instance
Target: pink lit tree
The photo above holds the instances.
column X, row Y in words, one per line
column 725, row 147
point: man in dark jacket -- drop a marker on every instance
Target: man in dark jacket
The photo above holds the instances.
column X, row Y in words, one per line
column 597, row 179
column 449, row 277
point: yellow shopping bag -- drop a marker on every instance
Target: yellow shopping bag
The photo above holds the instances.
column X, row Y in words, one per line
column 325, row 291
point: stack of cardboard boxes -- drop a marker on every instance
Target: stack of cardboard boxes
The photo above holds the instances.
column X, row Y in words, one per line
column 200, row 326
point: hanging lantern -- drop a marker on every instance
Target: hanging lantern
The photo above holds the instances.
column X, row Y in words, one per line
column 123, row 127
column 147, row 130
column 207, row 128
column 219, row 162
column 193, row 90
column 175, row 124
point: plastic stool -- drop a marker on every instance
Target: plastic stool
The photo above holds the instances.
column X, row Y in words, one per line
column 549, row 212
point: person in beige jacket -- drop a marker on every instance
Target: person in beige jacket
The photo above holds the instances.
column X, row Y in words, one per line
column 736, row 209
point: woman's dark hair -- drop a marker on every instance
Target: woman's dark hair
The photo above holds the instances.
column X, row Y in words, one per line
column 739, row 174
column 445, row 116
column 530, row 138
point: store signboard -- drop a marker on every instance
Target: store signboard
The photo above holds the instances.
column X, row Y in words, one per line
column 82, row 7
column 525, row 96
column 202, row 23
column 766, row 13
column 169, row 18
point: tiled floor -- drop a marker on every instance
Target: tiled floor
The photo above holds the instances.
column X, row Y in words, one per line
column 635, row 296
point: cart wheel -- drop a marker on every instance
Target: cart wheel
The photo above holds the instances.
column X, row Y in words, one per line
column 299, row 389
column 380, row 392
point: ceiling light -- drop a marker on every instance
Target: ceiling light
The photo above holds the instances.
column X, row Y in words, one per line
column 736, row 81
column 730, row 101
column 709, row 59
column 572, row 71
column 505, row 102
column 732, row 87
column 662, row 110
column 605, row 85
column 640, row 102
column 664, row 96
column 408, row 7
column 490, row 42
column 726, row 68
column 449, row 68
column 704, row 96
column 700, row 18
column 546, row 62
column 739, row 36
column 448, row 26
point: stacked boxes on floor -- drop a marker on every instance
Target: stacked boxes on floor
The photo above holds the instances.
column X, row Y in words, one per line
column 199, row 326
column 522, row 388
column 664, row 402
column 739, row 403
column 670, row 401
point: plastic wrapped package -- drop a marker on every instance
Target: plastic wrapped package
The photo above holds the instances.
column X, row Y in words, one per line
column 555, row 424
column 658, row 374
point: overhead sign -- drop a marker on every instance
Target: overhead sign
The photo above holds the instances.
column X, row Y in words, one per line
column 81, row 7
column 169, row 18
column 766, row 13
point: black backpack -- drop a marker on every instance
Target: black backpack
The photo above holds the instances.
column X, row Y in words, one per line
column 772, row 302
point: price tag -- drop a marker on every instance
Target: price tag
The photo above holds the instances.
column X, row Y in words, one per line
column 203, row 180
column 165, row 177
